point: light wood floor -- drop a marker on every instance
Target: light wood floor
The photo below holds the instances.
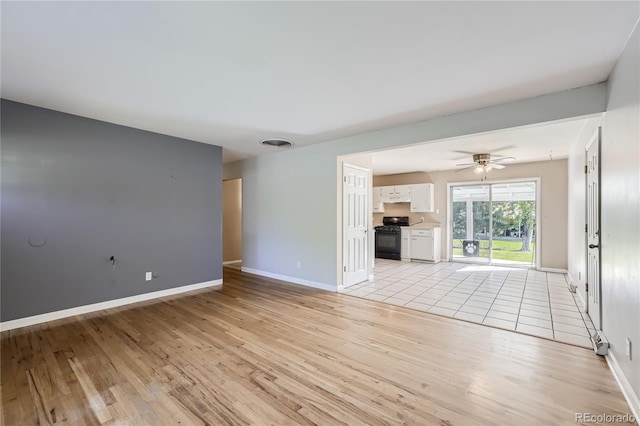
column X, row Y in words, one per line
column 262, row 352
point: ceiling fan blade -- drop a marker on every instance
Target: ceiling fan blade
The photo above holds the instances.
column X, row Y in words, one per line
column 466, row 168
column 464, row 152
column 502, row 148
column 465, row 164
column 497, row 166
column 502, row 158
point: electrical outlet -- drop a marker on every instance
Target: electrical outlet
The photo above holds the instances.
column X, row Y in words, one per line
column 148, row 276
column 628, row 348
column 299, row 264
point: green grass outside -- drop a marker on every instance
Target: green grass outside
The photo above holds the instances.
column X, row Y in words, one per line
column 502, row 250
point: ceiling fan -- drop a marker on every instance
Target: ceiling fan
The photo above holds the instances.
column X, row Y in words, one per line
column 482, row 163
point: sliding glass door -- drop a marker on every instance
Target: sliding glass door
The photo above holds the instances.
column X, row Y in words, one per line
column 494, row 223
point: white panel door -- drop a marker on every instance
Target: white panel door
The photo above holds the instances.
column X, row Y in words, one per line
column 356, row 212
column 593, row 231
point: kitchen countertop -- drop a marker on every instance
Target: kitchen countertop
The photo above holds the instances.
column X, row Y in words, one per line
column 426, row 225
column 421, row 225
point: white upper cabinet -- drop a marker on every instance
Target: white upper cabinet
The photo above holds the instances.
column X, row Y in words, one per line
column 386, row 192
column 403, row 192
column 378, row 205
column 422, row 198
column 395, row 194
column 419, row 195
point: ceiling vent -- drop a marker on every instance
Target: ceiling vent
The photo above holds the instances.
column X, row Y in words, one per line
column 278, row 143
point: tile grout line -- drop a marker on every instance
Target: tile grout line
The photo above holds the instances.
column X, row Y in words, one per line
column 524, row 289
column 450, row 274
column 468, row 297
column 412, row 299
column 494, row 299
column 553, row 328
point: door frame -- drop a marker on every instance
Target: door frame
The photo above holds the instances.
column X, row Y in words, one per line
column 342, row 225
column 449, row 222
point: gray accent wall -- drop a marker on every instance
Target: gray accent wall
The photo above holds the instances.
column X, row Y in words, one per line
column 77, row 191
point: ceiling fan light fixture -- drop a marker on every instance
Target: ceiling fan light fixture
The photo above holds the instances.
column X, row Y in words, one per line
column 481, row 158
column 277, row 142
column 483, row 164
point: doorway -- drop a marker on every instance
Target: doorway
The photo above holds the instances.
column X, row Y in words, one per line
column 494, row 223
column 232, row 223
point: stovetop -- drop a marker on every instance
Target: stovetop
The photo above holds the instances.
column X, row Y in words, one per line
column 388, row 228
column 393, row 223
column 396, row 220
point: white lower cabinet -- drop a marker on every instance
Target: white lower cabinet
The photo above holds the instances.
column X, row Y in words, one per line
column 405, row 243
column 425, row 244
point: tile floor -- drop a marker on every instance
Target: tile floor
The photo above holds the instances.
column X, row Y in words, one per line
column 521, row 300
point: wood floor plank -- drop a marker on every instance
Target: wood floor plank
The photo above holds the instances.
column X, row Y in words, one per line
column 262, row 352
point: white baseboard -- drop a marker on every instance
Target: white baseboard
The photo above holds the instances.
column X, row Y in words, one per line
column 231, row 262
column 632, row 398
column 556, row 270
column 293, row 280
column 79, row 310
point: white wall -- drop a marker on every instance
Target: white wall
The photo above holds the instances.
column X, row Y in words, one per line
column 620, row 212
column 290, row 197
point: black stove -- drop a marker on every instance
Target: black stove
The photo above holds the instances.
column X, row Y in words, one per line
column 388, row 237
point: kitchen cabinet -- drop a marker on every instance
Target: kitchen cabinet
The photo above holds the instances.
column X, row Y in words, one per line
column 419, row 195
column 422, row 198
column 405, row 243
column 425, row 244
column 395, row 194
column 378, row 205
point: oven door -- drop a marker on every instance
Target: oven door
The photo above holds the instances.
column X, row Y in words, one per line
column 388, row 245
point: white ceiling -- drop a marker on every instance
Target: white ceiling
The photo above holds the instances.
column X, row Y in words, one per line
column 526, row 144
column 233, row 73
